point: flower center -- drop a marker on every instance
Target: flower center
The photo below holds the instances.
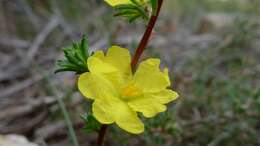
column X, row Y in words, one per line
column 130, row 91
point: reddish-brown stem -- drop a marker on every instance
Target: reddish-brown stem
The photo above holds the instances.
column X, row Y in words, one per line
column 142, row 45
column 101, row 135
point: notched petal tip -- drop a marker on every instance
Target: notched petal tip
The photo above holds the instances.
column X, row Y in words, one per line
column 176, row 95
column 99, row 54
column 152, row 113
column 153, row 61
column 166, row 75
column 150, row 77
column 97, row 65
column 117, row 51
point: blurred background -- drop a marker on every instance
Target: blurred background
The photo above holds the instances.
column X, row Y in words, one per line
column 212, row 48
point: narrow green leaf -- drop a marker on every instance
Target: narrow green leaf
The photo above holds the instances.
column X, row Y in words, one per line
column 63, row 69
column 70, row 55
column 130, row 11
column 84, row 47
column 127, row 13
column 75, row 58
column 154, row 4
column 125, row 6
column 131, row 19
column 136, row 2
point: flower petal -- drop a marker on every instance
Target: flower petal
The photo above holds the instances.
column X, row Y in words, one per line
column 101, row 113
column 165, row 96
column 99, row 54
column 147, row 105
column 111, row 109
column 119, row 58
column 127, row 119
column 98, row 66
column 149, row 76
column 115, row 66
column 95, row 86
column 117, row 2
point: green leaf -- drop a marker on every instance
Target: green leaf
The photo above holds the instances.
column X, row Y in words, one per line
column 91, row 124
column 136, row 9
column 71, row 57
column 84, row 47
column 131, row 11
column 136, row 2
column 63, row 70
column 154, row 4
column 75, row 57
column 131, row 19
column 126, row 13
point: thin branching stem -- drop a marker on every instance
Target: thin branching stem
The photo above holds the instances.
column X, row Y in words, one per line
column 101, row 135
column 139, row 51
column 145, row 39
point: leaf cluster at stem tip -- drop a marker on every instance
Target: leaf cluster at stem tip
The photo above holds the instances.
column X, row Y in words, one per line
column 90, row 123
column 136, row 9
column 75, row 57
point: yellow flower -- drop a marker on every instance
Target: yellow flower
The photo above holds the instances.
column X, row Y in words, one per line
column 120, row 2
column 119, row 94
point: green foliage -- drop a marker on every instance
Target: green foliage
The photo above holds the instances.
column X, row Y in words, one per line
column 75, row 57
column 132, row 11
column 220, row 96
column 91, row 124
column 220, row 104
column 154, row 4
column 137, row 9
column 162, row 123
column 243, row 31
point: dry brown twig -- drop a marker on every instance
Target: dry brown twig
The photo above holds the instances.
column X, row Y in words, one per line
column 13, row 42
column 20, row 86
column 20, row 110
